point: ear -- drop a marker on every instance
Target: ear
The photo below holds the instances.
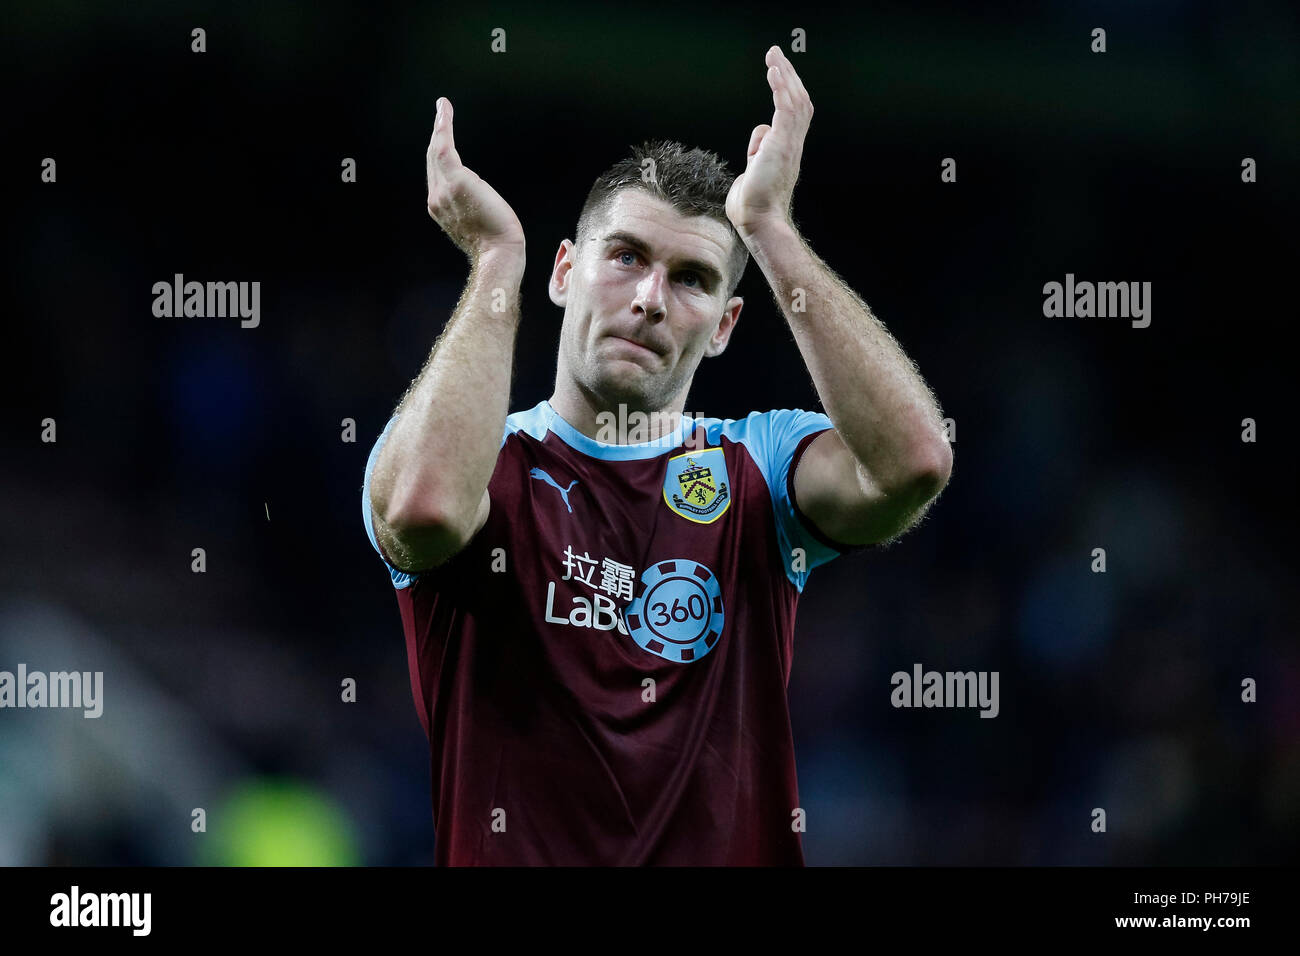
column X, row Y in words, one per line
column 726, row 325
column 559, row 285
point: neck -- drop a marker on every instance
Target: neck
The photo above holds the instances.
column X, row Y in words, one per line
column 616, row 424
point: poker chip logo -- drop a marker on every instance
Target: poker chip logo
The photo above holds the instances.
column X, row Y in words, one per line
column 678, row 612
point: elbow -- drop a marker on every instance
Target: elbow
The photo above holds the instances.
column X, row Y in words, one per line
column 425, row 515
column 423, row 535
column 928, row 470
column 936, row 466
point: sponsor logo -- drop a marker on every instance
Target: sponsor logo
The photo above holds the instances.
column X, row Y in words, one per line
column 601, row 611
column 564, row 492
column 678, row 614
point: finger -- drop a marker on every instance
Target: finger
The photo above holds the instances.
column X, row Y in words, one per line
column 442, row 125
column 442, row 145
column 799, row 102
column 784, row 71
column 781, row 102
column 776, row 78
column 792, row 78
column 756, row 139
column 443, row 162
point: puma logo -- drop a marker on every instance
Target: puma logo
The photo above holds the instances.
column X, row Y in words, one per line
column 564, row 492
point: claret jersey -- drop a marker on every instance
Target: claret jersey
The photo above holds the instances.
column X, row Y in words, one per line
column 602, row 671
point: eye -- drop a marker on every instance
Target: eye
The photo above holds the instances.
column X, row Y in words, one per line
column 699, row 281
column 628, row 253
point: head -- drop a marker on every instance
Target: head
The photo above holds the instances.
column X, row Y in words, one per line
column 647, row 286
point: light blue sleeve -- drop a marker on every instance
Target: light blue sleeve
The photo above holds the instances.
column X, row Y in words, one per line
column 401, row 579
column 771, row 438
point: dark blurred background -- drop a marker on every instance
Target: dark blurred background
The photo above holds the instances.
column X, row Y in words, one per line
column 1119, row 690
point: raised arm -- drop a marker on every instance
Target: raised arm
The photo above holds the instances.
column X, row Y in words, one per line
column 428, row 492
column 872, row 476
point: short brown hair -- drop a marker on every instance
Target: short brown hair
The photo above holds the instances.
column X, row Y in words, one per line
column 695, row 182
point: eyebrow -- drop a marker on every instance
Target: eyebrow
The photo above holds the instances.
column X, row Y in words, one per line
column 640, row 245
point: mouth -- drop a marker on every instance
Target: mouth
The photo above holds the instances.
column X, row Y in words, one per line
column 637, row 345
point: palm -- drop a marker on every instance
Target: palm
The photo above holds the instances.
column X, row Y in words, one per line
column 757, row 191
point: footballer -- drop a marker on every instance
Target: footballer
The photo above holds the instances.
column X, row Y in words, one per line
column 599, row 630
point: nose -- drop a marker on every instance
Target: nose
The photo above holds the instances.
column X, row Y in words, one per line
column 649, row 299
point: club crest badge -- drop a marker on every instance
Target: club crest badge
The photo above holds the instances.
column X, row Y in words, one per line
column 696, row 485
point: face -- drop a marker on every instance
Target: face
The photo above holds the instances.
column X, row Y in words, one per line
column 644, row 301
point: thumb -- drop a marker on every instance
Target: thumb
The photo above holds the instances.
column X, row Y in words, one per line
column 755, row 139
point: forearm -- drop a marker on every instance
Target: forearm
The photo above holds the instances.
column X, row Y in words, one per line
column 442, row 450
column 880, row 405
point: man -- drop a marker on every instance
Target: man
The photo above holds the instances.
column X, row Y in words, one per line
column 599, row 624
